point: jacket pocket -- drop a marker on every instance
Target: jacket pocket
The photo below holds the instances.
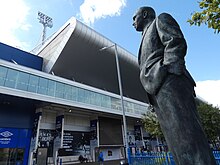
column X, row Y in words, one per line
column 153, row 77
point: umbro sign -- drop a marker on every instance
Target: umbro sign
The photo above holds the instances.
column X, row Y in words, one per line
column 6, row 134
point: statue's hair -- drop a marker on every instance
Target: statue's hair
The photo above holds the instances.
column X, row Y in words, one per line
column 150, row 11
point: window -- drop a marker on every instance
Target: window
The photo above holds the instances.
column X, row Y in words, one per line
column 22, row 82
column 115, row 103
column 96, row 99
column 129, row 107
column 33, row 83
column 106, row 101
column 88, row 96
column 28, row 82
column 3, row 72
column 11, row 155
column 59, row 90
column 51, row 88
column 42, row 86
column 11, row 78
column 74, row 93
column 68, row 92
column 81, row 95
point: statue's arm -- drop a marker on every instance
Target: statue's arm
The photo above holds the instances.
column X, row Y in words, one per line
column 174, row 42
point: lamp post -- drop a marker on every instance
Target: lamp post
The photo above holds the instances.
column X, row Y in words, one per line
column 121, row 94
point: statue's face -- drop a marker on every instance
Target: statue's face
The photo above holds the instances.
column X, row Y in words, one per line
column 138, row 21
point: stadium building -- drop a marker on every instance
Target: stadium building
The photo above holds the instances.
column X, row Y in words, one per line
column 63, row 100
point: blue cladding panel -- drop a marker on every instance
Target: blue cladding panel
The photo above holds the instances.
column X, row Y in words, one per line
column 24, row 138
column 8, row 138
column 9, row 53
column 14, row 138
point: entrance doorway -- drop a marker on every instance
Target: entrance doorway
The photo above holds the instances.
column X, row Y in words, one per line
column 11, row 156
column 42, row 156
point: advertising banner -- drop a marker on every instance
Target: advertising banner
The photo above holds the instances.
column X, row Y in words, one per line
column 68, row 143
column 34, row 137
column 131, row 139
column 138, row 136
column 58, row 136
column 75, row 143
column 94, row 137
column 46, row 138
column 93, row 129
column 35, row 131
column 137, row 132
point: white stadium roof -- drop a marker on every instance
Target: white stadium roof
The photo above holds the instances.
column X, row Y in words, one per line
column 73, row 53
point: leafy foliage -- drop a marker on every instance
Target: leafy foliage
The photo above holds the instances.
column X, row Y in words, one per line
column 210, row 118
column 151, row 124
column 209, row 15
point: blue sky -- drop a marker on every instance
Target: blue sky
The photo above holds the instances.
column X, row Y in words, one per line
column 20, row 27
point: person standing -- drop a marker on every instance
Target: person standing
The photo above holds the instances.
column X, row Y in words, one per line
column 101, row 158
column 170, row 87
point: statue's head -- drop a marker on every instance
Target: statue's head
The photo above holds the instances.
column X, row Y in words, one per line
column 142, row 17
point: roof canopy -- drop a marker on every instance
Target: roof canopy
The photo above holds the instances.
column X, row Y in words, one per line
column 74, row 53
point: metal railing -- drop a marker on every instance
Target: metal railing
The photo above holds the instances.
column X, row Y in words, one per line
column 159, row 158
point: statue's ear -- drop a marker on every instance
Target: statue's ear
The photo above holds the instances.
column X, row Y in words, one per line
column 144, row 14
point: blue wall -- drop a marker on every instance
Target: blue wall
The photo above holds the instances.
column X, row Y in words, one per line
column 16, row 138
column 16, row 112
column 9, row 53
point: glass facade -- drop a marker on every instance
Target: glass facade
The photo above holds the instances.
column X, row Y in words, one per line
column 20, row 80
column 12, row 156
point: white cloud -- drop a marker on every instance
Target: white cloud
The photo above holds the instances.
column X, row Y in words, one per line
column 92, row 10
column 209, row 90
column 13, row 15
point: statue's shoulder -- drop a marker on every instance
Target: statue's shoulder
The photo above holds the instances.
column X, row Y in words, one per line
column 166, row 19
column 165, row 16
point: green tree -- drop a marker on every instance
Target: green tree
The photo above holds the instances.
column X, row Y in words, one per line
column 209, row 15
column 151, row 124
column 210, row 118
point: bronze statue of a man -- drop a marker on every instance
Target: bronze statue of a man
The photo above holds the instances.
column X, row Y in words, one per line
column 170, row 87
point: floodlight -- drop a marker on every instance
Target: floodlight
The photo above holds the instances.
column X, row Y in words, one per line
column 46, row 21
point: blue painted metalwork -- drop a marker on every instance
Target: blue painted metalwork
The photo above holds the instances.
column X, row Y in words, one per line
column 159, row 158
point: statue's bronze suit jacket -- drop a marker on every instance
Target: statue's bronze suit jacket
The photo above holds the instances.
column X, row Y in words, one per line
column 162, row 46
